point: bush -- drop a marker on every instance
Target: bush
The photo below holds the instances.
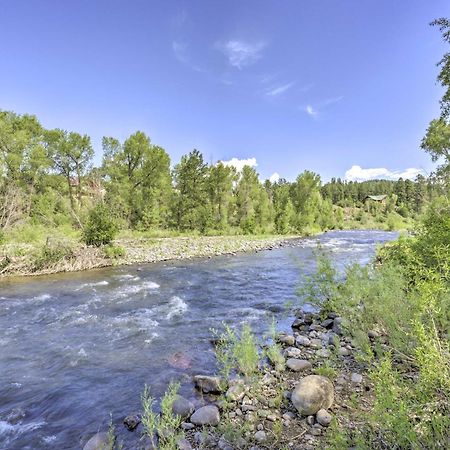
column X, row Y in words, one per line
column 114, row 251
column 101, row 227
column 50, row 254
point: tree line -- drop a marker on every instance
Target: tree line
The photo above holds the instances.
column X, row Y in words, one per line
column 48, row 177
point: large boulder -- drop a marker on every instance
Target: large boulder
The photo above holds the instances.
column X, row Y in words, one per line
column 206, row 415
column 99, row 441
column 208, row 384
column 311, row 394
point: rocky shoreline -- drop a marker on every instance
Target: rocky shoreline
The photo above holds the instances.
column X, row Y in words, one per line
column 290, row 404
column 20, row 260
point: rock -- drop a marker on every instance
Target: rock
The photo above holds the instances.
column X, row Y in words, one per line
column 206, row 415
column 182, row 407
column 132, row 421
column 303, row 341
column 292, row 352
column 323, row 353
column 332, row 315
column 323, row 417
column 343, row 351
column 208, row 384
column 337, row 325
column 286, row 339
column 310, row 420
column 372, row 334
column 298, row 365
column 288, row 416
column 299, row 322
column 312, row 393
column 356, row 378
column 316, row 343
column 236, row 392
column 183, row 444
column 260, row 436
column 15, row 415
column 204, row 439
column 99, row 441
column 327, row 323
column 187, row 426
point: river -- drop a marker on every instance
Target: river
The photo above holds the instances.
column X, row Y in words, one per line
column 76, row 347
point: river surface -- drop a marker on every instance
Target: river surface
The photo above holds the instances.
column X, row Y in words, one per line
column 76, row 347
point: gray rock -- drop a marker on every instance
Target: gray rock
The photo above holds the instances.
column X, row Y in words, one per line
column 298, row 365
column 323, row 353
column 337, row 325
column 236, row 392
column 312, row 393
column 316, row 343
column 323, row 417
column 208, row 384
column 206, row 415
column 292, row 352
column 356, row 378
column 343, row 351
column 303, row 341
column 260, row 436
column 327, row 323
column 373, row 334
column 286, row 339
column 187, row 426
column 184, row 444
column 99, row 441
column 204, row 439
column 310, row 420
column 182, row 407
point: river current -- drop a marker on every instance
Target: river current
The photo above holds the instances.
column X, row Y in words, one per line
column 75, row 348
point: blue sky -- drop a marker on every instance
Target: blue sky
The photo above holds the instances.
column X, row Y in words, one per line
column 318, row 85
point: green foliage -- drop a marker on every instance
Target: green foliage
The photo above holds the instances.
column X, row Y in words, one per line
column 237, row 351
column 161, row 429
column 51, row 254
column 101, row 228
column 114, row 251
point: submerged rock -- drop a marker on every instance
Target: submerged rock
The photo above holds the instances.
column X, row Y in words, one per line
column 99, row 441
column 132, row 421
column 206, row 415
column 312, row 393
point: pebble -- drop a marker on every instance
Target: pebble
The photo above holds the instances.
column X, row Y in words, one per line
column 356, row 378
column 260, row 436
column 323, row 417
column 303, row 341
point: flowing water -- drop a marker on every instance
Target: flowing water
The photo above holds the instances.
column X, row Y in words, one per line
column 76, row 347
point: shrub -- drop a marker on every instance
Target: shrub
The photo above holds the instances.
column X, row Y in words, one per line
column 50, row 254
column 114, row 251
column 101, row 227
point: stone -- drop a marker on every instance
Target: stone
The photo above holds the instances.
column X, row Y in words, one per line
column 235, row 392
column 343, row 351
column 303, row 341
column 204, row 439
column 316, row 343
column 183, row 444
column 356, row 378
column 337, row 325
column 298, row 365
column 208, row 384
column 292, row 352
column 323, row 353
column 327, row 323
column 323, row 417
column 312, row 393
column 260, row 436
column 310, row 420
column 182, row 407
column 372, row 334
column 299, row 322
column 99, row 441
column 187, row 426
column 286, row 339
column 132, row 421
column 206, row 415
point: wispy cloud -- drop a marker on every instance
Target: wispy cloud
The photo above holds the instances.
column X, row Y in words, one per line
column 316, row 110
column 357, row 173
column 239, row 164
column 181, row 52
column 240, row 53
column 278, row 90
column 311, row 111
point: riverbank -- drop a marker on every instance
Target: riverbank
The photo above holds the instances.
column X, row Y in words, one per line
column 58, row 255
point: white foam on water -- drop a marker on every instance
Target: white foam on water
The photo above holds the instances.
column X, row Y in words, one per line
column 7, row 428
column 177, row 307
column 49, row 439
column 93, row 285
column 142, row 319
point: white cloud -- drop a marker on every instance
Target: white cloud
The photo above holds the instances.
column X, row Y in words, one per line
column 274, row 178
column 357, row 173
column 274, row 92
column 239, row 164
column 181, row 51
column 241, row 54
column 311, row 111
